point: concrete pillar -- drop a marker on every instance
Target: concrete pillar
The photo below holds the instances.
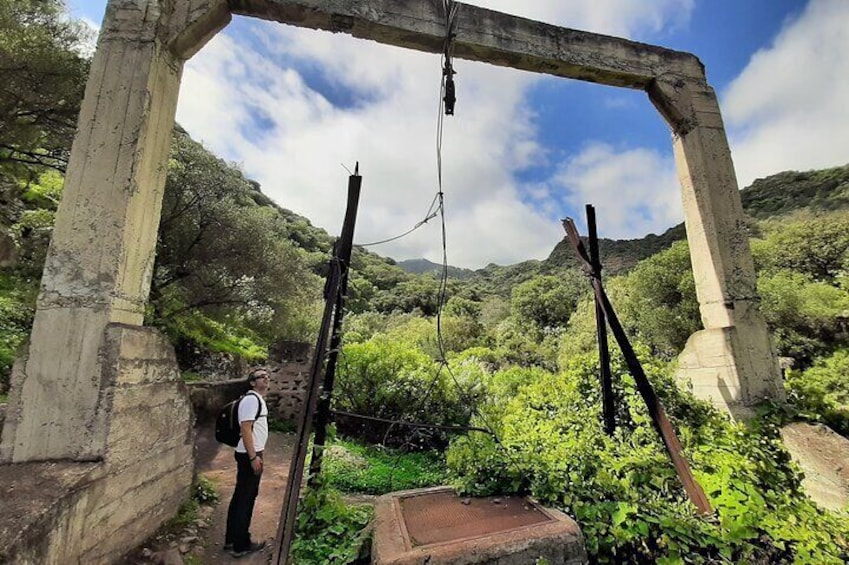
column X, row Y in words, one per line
column 732, row 361
column 100, row 261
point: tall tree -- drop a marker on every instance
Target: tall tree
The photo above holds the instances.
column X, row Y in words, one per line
column 44, row 72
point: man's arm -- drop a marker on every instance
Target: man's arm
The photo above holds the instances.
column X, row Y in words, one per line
column 247, row 428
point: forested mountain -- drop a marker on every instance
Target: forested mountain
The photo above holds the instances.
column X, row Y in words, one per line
column 770, row 197
column 422, row 266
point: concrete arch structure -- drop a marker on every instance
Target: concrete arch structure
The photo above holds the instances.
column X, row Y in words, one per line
column 99, row 266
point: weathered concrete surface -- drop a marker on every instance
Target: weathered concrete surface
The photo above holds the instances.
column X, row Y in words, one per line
column 100, row 260
column 66, row 512
column 558, row 540
column 823, row 456
column 483, row 35
column 732, row 361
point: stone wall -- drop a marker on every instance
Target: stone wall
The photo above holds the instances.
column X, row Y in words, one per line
column 93, row 512
column 286, row 391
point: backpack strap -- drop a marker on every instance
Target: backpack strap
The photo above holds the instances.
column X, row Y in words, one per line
column 258, row 404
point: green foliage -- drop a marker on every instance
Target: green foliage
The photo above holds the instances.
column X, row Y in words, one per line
column 17, row 307
column 656, row 304
column 807, row 318
column 817, row 246
column 391, row 379
column 194, row 330
column 204, row 491
column 328, row 531
column 822, row 391
column 186, row 515
column 225, row 256
column 546, row 302
column 791, row 191
column 191, row 377
column 660, row 305
column 43, row 81
column 623, row 489
column 515, row 344
column 378, row 470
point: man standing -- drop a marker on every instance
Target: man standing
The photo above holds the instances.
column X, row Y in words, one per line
column 253, row 422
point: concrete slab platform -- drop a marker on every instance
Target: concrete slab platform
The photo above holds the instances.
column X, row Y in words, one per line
column 437, row 527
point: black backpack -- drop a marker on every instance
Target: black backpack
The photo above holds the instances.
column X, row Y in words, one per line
column 227, row 429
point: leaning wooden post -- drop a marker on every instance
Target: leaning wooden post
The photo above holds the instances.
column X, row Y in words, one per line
column 343, row 259
column 655, row 408
column 286, row 525
column 607, row 402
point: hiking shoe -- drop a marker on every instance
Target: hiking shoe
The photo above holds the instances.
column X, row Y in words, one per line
column 252, row 548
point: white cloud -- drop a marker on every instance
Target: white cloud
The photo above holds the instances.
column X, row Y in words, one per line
column 391, row 129
column 623, row 18
column 635, row 191
column 788, row 109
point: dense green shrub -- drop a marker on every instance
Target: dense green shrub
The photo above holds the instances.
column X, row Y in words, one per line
column 808, row 318
column 656, row 304
column 623, row 490
column 17, row 307
column 388, row 379
column 822, row 391
column 328, row 531
column 816, row 246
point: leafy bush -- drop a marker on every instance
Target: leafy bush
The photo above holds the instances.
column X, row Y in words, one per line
column 377, row 470
column 823, row 390
column 623, row 490
column 656, row 304
column 815, row 246
column 386, row 379
column 327, row 531
column 204, row 491
column 17, row 307
column 807, row 317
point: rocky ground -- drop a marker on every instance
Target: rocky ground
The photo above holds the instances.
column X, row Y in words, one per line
column 200, row 542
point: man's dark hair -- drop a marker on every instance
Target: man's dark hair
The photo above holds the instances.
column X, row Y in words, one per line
column 257, row 373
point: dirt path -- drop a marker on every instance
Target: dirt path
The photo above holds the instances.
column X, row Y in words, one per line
column 215, row 462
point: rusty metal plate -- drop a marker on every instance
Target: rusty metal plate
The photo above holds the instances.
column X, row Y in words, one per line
column 443, row 516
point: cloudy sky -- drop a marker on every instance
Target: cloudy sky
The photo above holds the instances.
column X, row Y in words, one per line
column 293, row 108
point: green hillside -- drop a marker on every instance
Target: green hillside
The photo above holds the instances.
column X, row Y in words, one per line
column 776, row 195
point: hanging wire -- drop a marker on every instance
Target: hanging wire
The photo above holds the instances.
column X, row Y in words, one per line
column 429, row 215
column 450, row 8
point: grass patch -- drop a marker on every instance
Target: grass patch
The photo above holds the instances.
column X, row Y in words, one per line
column 192, row 377
column 375, row 470
column 4, row 398
column 203, row 492
column 187, row 514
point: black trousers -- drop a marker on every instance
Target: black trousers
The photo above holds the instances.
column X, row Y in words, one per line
column 242, row 504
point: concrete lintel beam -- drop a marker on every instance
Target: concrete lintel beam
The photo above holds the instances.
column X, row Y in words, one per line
column 194, row 23
column 485, row 35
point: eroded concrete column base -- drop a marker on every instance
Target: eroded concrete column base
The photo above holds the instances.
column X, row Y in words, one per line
column 94, row 512
column 733, row 368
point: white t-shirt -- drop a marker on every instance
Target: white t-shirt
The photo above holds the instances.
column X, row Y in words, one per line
column 247, row 412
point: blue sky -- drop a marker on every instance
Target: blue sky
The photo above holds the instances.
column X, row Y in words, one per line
column 291, row 107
